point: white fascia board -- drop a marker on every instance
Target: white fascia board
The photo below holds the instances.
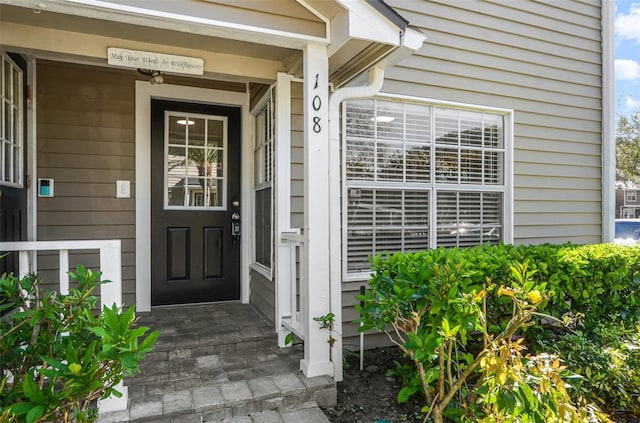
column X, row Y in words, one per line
column 339, row 32
column 412, row 41
column 158, row 19
column 366, row 23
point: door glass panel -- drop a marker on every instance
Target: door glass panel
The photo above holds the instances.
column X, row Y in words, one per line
column 178, row 130
column 215, row 191
column 196, row 131
column 194, row 161
column 215, row 133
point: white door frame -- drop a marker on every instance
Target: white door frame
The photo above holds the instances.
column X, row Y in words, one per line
column 144, row 93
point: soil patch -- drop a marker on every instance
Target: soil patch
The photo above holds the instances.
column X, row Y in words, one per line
column 370, row 396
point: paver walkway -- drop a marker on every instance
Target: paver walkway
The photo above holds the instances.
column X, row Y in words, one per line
column 221, row 363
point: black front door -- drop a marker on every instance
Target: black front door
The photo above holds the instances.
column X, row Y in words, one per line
column 13, row 162
column 195, row 191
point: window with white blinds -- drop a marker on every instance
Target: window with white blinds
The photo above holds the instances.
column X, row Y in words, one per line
column 263, row 174
column 420, row 176
column 11, row 138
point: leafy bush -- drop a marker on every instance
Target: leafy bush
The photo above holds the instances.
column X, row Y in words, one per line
column 608, row 358
column 58, row 354
column 449, row 310
column 527, row 389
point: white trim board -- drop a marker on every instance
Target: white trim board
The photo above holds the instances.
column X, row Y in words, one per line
column 144, row 93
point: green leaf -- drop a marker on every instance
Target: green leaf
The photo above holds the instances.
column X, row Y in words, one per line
column 55, row 363
column 151, row 339
column 31, row 389
column 431, row 375
column 21, row 408
column 445, row 327
column 406, row 393
column 287, row 339
column 35, row 413
column 454, row 413
column 101, row 332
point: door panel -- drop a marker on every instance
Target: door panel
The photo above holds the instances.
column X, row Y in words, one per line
column 195, row 178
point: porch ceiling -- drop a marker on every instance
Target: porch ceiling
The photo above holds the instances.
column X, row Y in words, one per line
column 244, row 40
column 128, row 31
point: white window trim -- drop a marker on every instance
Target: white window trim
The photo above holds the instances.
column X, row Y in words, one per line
column 260, row 268
column 507, row 206
column 19, row 137
column 631, row 198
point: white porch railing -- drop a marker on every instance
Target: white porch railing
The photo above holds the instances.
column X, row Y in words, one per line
column 289, row 304
column 110, row 263
column 110, row 293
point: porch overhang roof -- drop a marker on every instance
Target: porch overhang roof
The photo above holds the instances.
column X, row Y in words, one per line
column 357, row 33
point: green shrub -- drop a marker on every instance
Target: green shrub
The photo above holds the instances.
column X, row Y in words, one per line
column 58, row 354
column 608, row 358
column 449, row 309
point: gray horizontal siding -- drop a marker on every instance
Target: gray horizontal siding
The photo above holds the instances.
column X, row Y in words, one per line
column 86, row 141
column 541, row 59
column 262, row 297
column 86, row 121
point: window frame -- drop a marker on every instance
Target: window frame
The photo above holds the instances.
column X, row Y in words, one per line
column 629, row 198
column 15, row 140
column 167, row 145
column 268, row 100
column 431, row 187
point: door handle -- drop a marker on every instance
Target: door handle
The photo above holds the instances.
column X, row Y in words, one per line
column 235, row 227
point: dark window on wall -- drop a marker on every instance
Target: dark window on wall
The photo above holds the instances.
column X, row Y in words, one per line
column 420, row 175
column 11, row 137
column 263, row 174
column 263, row 227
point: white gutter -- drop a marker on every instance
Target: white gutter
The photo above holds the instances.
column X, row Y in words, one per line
column 608, row 124
column 376, row 78
column 411, row 41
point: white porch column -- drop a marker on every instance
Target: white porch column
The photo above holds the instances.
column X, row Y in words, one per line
column 314, row 286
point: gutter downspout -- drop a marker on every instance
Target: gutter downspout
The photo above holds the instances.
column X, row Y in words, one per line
column 376, row 79
column 608, row 124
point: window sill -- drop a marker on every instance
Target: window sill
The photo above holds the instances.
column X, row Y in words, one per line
column 261, row 269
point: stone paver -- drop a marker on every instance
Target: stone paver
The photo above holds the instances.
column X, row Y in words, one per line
column 289, row 384
column 175, row 402
column 145, row 409
column 307, row 412
column 208, row 362
column 233, row 392
column 263, row 387
column 266, row 416
column 220, row 363
column 207, row 398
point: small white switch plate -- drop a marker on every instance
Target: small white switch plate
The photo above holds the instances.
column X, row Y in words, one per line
column 123, row 189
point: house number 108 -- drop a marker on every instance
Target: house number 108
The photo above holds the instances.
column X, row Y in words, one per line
column 316, row 103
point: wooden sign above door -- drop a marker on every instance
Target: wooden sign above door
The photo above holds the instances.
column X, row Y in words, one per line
column 155, row 61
